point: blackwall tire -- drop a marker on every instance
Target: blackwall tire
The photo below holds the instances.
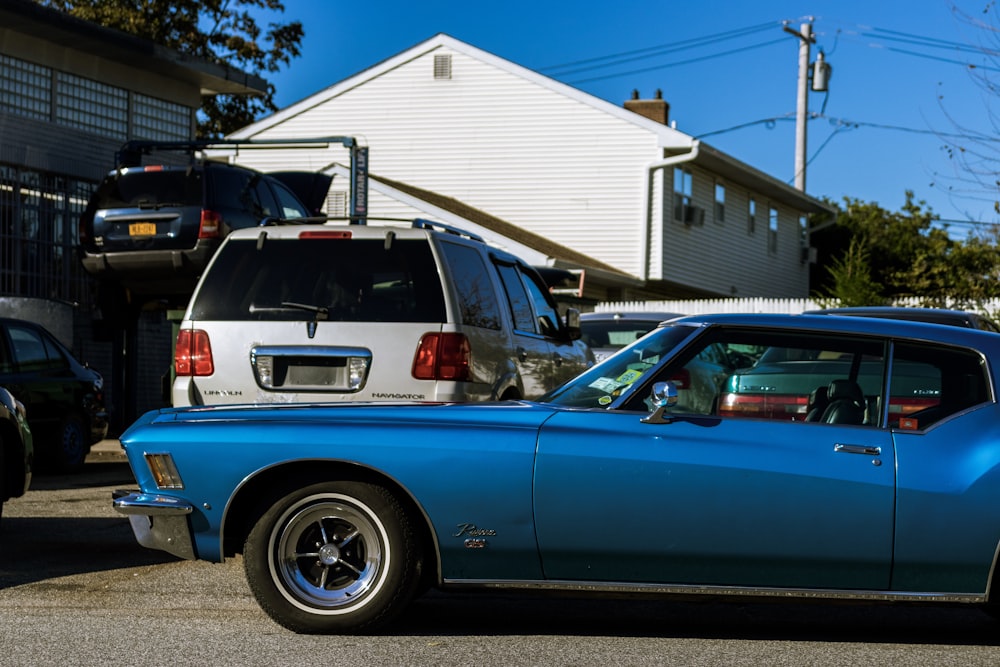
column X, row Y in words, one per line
column 338, row 557
column 72, row 446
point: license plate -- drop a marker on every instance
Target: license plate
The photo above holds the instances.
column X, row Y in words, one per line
column 142, row 229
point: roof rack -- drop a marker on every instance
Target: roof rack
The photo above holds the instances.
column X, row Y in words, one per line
column 414, row 223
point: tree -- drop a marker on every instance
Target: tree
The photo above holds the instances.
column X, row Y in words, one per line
column 976, row 153
column 872, row 256
column 219, row 31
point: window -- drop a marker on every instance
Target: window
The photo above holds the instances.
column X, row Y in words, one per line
column 25, row 88
column 518, row 298
column 930, row 383
column 772, row 229
column 720, row 203
column 682, row 193
column 161, row 120
column 791, row 377
column 751, row 216
column 476, row 294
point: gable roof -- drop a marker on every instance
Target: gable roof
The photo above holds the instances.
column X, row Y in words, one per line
column 669, row 137
column 437, row 204
column 673, row 141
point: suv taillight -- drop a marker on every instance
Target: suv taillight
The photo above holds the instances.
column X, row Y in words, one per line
column 764, row 406
column 209, row 228
column 442, row 356
column 193, row 354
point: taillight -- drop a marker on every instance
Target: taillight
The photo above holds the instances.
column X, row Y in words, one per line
column 193, row 354
column 210, row 221
column 682, row 379
column 442, row 356
column 764, row 406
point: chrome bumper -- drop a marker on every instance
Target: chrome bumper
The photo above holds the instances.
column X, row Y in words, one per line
column 159, row 522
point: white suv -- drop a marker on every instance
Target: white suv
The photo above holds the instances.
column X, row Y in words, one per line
column 333, row 312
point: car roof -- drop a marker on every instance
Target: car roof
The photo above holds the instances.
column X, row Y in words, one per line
column 916, row 330
column 939, row 315
column 647, row 316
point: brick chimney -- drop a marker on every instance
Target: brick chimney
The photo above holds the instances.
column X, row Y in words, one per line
column 655, row 109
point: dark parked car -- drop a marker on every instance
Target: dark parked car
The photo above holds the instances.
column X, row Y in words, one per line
column 153, row 228
column 957, row 318
column 15, row 449
column 606, row 333
column 608, row 485
column 63, row 398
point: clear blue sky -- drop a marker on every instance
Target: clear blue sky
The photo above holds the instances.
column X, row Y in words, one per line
column 725, row 67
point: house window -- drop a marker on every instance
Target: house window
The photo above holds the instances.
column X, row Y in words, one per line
column 26, row 88
column 720, row 203
column 772, row 229
column 442, row 66
column 682, row 193
column 752, row 216
column 91, row 106
column 158, row 119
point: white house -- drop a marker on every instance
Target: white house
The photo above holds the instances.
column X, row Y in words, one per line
column 661, row 214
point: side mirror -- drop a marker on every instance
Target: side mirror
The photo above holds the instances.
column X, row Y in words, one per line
column 663, row 396
column 572, row 321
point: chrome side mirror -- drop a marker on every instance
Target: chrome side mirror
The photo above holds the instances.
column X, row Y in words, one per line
column 663, row 396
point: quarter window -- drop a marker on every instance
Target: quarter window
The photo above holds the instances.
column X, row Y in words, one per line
column 476, row 294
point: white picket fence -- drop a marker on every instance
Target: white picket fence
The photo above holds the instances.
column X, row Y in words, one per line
column 748, row 305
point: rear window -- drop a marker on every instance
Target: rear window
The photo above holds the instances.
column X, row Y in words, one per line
column 347, row 280
column 136, row 189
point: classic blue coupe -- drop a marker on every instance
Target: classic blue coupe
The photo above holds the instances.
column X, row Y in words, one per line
column 842, row 458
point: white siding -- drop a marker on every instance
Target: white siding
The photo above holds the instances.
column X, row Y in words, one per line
column 543, row 156
column 498, row 142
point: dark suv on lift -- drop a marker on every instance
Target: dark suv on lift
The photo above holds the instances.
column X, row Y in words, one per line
column 152, row 229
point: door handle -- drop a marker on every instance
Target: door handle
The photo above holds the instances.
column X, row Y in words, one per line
column 857, row 449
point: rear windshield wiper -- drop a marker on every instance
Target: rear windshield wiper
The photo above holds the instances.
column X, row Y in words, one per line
column 322, row 312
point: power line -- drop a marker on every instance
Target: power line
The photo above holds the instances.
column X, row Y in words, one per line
column 611, row 60
column 681, row 62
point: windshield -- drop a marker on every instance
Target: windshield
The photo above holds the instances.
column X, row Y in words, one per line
column 603, row 384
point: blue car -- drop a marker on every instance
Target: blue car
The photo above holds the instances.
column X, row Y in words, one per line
column 889, row 491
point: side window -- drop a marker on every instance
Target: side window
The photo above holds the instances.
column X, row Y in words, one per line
column 231, row 189
column 930, row 383
column 779, row 376
column 548, row 316
column 476, row 294
column 33, row 352
column 517, row 298
column 288, row 204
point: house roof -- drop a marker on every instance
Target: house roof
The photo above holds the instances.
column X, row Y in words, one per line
column 30, row 18
column 561, row 256
column 670, row 139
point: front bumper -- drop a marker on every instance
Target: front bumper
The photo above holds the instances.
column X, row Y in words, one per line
column 159, row 522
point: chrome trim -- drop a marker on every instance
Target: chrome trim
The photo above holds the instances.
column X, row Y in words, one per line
column 857, row 449
column 720, row 591
column 159, row 522
column 993, row 570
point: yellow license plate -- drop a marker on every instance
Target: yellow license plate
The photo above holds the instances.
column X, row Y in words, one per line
column 142, row 229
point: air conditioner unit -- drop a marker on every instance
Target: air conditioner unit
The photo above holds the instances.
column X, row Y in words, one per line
column 694, row 216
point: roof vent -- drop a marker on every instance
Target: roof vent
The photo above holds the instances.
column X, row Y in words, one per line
column 442, row 66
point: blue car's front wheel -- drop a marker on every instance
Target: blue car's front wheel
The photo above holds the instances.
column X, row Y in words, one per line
column 333, row 557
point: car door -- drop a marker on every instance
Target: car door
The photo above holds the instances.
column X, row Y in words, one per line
column 708, row 500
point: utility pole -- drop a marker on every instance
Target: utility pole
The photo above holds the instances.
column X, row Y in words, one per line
column 806, row 38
